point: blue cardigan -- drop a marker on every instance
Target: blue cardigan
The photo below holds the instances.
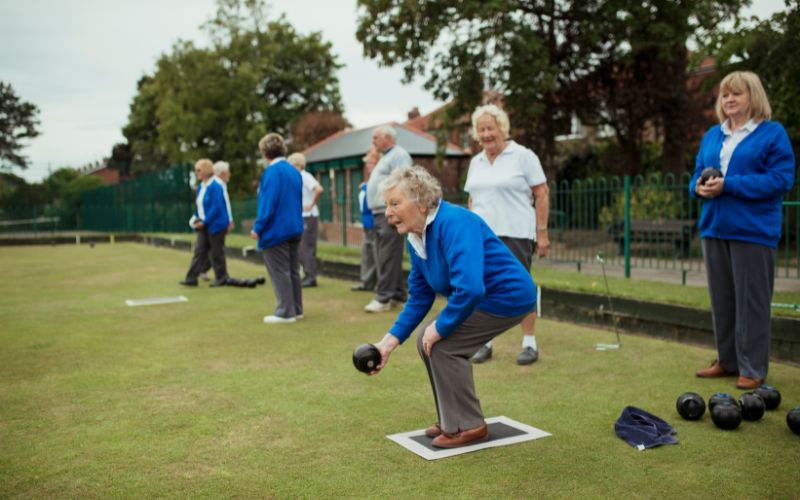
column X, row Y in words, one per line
column 280, row 205
column 215, row 209
column 760, row 173
column 471, row 267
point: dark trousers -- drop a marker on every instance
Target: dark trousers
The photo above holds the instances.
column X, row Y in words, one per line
column 741, row 278
column 369, row 258
column 308, row 248
column 389, row 250
column 450, row 369
column 208, row 248
column 283, row 265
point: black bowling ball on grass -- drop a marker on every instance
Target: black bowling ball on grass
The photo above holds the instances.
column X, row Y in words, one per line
column 770, row 395
column 793, row 420
column 690, row 406
column 719, row 397
column 260, row 280
column 752, row 406
column 726, row 415
column 366, row 358
column 709, row 173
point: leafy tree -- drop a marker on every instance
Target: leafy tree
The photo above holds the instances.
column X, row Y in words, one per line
column 765, row 49
column 217, row 102
column 529, row 51
column 121, row 157
column 17, row 122
column 315, row 126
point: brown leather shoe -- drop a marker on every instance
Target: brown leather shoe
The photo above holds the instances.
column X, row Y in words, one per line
column 469, row 436
column 748, row 383
column 715, row 370
column 433, row 430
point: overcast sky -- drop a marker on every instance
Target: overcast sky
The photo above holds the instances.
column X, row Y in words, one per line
column 79, row 61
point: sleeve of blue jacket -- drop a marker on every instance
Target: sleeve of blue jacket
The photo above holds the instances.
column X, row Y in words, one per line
column 420, row 300
column 216, row 211
column 778, row 177
column 266, row 202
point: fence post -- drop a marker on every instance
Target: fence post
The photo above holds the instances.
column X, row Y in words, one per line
column 627, row 226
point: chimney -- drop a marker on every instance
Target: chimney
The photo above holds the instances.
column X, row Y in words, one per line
column 414, row 113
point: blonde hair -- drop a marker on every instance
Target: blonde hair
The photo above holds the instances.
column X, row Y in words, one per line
column 760, row 109
column 298, row 160
column 417, row 183
column 495, row 112
column 205, row 166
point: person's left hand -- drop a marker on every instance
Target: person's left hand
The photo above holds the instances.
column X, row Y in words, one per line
column 542, row 244
column 307, row 208
column 430, row 337
column 712, row 188
column 199, row 224
column 230, row 228
column 253, row 235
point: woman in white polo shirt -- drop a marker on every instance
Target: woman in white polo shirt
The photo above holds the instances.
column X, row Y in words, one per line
column 504, row 181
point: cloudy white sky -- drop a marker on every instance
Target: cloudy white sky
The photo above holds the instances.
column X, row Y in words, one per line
column 79, row 61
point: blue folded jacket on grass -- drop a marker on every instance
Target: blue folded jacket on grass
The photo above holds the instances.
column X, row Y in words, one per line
column 642, row 430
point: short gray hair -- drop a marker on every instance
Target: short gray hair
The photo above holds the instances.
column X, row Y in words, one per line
column 417, row 183
column 221, row 166
column 387, row 130
column 272, row 146
column 297, row 159
column 495, row 112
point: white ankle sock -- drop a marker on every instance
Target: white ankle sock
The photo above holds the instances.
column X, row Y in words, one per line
column 489, row 344
column 529, row 341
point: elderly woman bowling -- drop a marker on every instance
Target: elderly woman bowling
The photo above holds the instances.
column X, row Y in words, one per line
column 454, row 254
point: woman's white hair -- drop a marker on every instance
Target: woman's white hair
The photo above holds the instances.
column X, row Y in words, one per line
column 221, row 166
column 387, row 131
column 417, row 183
column 495, row 112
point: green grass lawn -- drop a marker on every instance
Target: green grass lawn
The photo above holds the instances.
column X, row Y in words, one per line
column 202, row 400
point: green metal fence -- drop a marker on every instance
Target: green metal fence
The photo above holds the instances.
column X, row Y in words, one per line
column 640, row 222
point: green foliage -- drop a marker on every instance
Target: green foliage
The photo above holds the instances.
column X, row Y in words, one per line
column 649, row 200
column 764, row 48
column 217, row 102
column 18, row 122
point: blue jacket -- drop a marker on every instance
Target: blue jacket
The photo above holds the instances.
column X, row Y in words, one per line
column 367, row 219
column 215, row 208
column 280, row 205
column 760, row 173
column 468, row 265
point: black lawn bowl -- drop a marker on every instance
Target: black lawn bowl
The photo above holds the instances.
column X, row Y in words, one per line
column 708, row 173
column 366, row 358
column 726, row 415
column 260, row 280
column 770, row 395
column 719, row 397
column 230, row 281
column 793, row 420
column 249, row 283
column 690, row 406
column 752, row 405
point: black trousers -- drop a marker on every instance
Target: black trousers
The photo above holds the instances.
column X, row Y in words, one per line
column 208, row 248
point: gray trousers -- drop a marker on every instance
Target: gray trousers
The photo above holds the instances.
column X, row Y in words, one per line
column 283, row 266
column 208, row 249
column 308, row 247
column 389, row 250
column 741, row 277
column 450, row 369
column 369, row 268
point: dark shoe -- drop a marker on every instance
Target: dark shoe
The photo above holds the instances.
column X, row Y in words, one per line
column 433, row 430
column 361, row 288
column 528, row 356
column 463, row 438
column 308, row 283
column 188, row 282
column 748, row 383
column 715, row 370
column 483, row 355
column 217, row 283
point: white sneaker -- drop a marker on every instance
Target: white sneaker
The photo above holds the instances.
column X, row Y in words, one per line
column 300, row 316
column 376, row 307
column 272, row 319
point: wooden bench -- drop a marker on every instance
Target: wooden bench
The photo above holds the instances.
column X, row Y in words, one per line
column 677, row 232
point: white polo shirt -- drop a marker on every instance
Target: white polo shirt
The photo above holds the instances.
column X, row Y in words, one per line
column 501, row 192
column 309, row 183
